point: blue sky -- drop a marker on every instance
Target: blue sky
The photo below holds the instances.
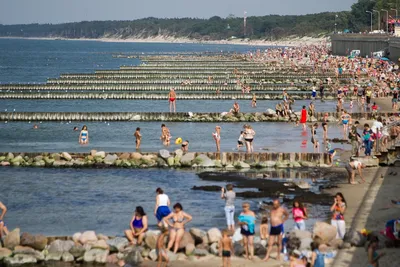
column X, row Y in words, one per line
column 58, row 11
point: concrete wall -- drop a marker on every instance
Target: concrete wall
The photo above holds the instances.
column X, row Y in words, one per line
column 342, row 44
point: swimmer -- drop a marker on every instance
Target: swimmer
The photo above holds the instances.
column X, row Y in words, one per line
column 217, row 137
column 138, row 137
column 254, row 101
column 165, row 135
column 76, row 128
column 84, row 136
column 172, row 100
column 185, row 146
column 35, row 126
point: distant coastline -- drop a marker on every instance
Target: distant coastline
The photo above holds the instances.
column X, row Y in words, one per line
column 284, row 42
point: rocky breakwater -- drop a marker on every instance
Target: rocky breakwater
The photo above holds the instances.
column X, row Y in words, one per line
column 165, row 159
column 196, row 245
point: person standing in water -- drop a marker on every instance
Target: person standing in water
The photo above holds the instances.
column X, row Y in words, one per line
column 254, row 101
column 161, row 208
column 314, row 138
column 249, row 134
column 279, row 216
column 84, row 136
column 172, row 100
column 303, row 117
column 165, row 135
column 217, row 137
column 138, row 137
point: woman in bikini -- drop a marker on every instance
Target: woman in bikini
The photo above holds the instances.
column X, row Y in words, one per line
column 165, row 135
column 172, row 100
column 84, row 136
column 346, row 120
column 138, row 226
column 217, row 137
column 254, row 101
column 249, row 134
column 179, row 219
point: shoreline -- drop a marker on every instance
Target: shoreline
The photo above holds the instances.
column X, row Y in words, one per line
column 181, row 40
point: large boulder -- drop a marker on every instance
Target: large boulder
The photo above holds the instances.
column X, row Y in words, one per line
column 110, row 159
column 170, row 161
column 189, row 249
column 186, row 160
column 125, row 156
column 355, row 238
column 24, row 250
column 100, row 154
column 76, row 237
column 54, row 256
column 12, row 239
column 117, row 244
column 336, row 244
column 238, row 249
column 242, row 165
column 306, row 243
column 101, row 244
column 66, row 156
column 61, row 246
column 151, row 239
column 134, row 257
column 325, row 231
column 214, row 249
column 178, row 153
column 88, row 236
column 77, row 251
column 19, row 260
column 38, row 242
column 153, row 255
column 5, row 253
column 136, row 156
column 164, row 153
column 198, row 235
column 204, row 161
column 200, row 252
column 260, row 250
column 67, row 257
column 186, row 239
column 214, row 235
column 300, row 234
column 96, row 255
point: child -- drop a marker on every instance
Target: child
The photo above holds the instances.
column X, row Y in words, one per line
column 138, row 137
column 317, row 258
column 240, row 140
column 296, row 259
column 264, row 228
column 374, row 108
column 225, row 248
column 351, row 104
column 161, row 251
column 373, row 256
column 217, row 137
column 299, row 214
column 331, row 152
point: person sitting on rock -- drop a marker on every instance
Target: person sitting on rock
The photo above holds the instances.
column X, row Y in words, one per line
column 138, row 225
column 3, row 227
column 235, row 109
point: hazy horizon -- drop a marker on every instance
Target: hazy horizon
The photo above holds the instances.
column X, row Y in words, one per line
column 61, row 11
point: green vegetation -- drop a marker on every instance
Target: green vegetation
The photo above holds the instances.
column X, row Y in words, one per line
column 270, row 27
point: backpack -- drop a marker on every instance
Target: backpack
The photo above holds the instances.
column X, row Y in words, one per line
column 320, row 260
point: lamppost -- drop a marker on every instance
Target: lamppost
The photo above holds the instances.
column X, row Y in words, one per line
column 379, row 18
column 336, row 16
column 387, row 19
column 370, row 12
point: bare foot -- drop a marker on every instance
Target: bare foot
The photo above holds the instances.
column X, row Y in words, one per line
column 266, row 259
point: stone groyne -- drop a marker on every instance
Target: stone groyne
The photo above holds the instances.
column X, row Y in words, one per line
column 268, row 116
column 166, row 159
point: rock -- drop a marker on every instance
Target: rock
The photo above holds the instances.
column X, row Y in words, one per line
column 325, row 231
column 303, row 185
column 59, row 163
column 5, row 163
column 117, row 244
column 204, row 161
column 76, row 237
column 136, row 156
column 172, row 256
column 110, row 159
column 5, row 253
column 308, row 164
column 214, row 235
column 10, row 156
column 66, row 156
column 17, row 159
column 151, row 239
column 238, row 249
column 270, row 112
column 134, row 257
column 93, row 153
column 145, row 253
column 198, row 235
column 20, row 259
column 214, row 249
column 237, row 236
column 200, row 252
column 267, row 164
column 112, row 259
column 186, row 160
column 67, row 257
column 264, row 243
column 260, row 250
column 189, row 249
column 355, row 238
column 125, row 156
column 24, row 250
column 54, row 256
column 181, row 257
column 61, row 246
column 12, row 239
column 96, row 255
column 300, row 234
column 242, row 165
column 77, row 251
column 346, row 245
column 164, row 153
column 170, row 161
column 306, row 243
column 186, row 239
column 153, row 255
column 88, row 236
column 38, row 242
column 100, row 244
column 336, row 244
column 178, row 153
column 100, row 154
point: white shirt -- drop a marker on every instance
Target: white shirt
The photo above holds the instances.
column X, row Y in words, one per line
column 376, row 125
column 162, row 200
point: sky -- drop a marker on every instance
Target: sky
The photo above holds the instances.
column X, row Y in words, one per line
column 59, row 11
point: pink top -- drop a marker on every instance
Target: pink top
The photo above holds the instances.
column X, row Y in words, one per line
column 298, row 214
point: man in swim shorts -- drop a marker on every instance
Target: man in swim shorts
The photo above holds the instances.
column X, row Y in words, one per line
column 3, row 227
column 278, row 217
column 172, row 100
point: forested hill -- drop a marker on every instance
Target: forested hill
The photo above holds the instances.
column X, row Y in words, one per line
column 216, row 28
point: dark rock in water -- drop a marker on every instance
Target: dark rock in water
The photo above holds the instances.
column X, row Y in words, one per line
column 207, row 188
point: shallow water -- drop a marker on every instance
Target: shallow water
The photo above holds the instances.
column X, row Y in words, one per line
column 62, row 202
column 118, row 136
